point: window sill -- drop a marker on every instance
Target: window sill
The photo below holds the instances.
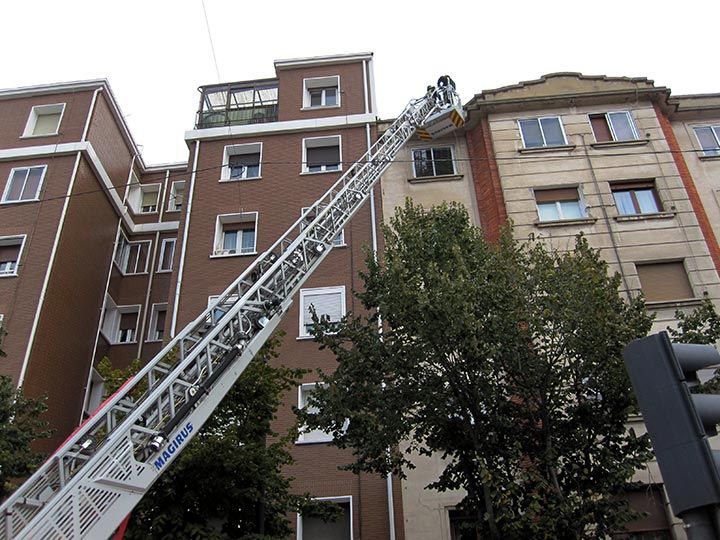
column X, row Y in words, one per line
column 164, row 271
column 228, row 255
column 20, row 201
column 708, row 157
column 613, row 144
column 320, row 107
column 643, row 217
column 169, row 211
column 123, row 343
column 565, row 222
column 440, row 178
column 42, row 135
column 153, row 341
column 227, row 180
column 666, row 304
column 315, row 441
column 134, row 274
column 138, row 213
column 543, row 149
column 9, row 275
column 305, row 338
column 308, row 173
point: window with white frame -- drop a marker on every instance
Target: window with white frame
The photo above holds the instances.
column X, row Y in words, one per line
column 242, row 161
column 132, row 257
column 436, row 161
column 44, row 120
column 542, row 132
column 221, row 309
column 24, row 184
column 167, row 252
column 143, row 198
column 321, row 92
column 613, row 126
column 306, row 435
column 177, row 196
column 10, row 251
column 236, row 234
column 314, row 528
column 322, row 154
column 709, row 139
column 120, row 323
column 559, row 203
column 95, row 392
column 339, row 240
column 328, row 302
column 156, row 330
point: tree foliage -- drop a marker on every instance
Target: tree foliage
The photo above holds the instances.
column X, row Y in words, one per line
column 228, row 482
column 506, row 360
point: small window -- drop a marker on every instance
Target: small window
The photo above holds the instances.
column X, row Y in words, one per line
column 305, row 435
column 242, row 161
column 143, row 198
column 94, row 396
column 314, row 528
column 633, row 198
column 329, row 302
column 44, row 120
column 542, row 132
column 664, row 281
column 321, row 92
column 709, row 139
column 167, row 251
column 156, row 331
column 24, row 184
column 613, row 126
column 339, row 240
column 433, row 162
column 559, row 204
column 322, row 154
column 462, row 526
column 132, row 257
column 120, row 322
column 236, row 234
column 177, row 195
column 221, row 309
column 10, row 251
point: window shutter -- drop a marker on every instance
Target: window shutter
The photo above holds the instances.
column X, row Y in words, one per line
column 128, row 321
column 46, row 124
column 325, row 304
column 9, row 253
column 324, row 155
column 600, row 128
column 246, row 160
column 149, row 198
column 160, row 323
column 664, row 281
column 560, row 194
column 636, row 184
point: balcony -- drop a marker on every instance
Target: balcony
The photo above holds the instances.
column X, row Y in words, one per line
column 237, row 104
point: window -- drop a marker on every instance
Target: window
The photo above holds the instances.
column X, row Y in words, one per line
column 329, row 302
column 558, row 204
column 313, row 528
column 10, row 251
column 44, row 120
column 709, row 139
column 321, row 154
column 305, row 435
column 242, row 161
column 236, row 234
column 156, row 331
column 167, row 251
column 462, row 526
column 432, row 162
column 177, row 195
column 321, row 92
column 119, row 322
column 143, row 198
column 635, row 198
column 94, row 396
column 613, row 126
column 652, row 523
column 24, row 184
column 664, row 281
column 339, row 240
column 542, row 132
column 132, row 257
column 221, row 309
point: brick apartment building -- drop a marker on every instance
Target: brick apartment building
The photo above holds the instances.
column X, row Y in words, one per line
column 104, row 255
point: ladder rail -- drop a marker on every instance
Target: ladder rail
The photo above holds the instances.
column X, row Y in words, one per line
column 157, row 399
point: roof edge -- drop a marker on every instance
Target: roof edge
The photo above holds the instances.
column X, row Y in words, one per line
column 309, row 61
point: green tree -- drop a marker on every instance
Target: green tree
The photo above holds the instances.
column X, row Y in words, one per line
column 228, row 482
column 20, row 425
column 506, row 360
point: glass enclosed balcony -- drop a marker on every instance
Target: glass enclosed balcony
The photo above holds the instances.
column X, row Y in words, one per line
column 234, row 104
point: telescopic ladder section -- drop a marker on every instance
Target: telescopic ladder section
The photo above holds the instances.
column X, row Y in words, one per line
column 94, row 480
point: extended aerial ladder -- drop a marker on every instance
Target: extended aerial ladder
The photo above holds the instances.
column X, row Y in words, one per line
column 95, row 479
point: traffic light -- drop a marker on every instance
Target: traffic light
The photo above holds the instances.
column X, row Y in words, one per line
column 678, row 422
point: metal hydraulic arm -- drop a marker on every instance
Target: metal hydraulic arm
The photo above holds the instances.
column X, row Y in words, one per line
column 95, row 479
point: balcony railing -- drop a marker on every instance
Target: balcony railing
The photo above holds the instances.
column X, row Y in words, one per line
column 237, row 104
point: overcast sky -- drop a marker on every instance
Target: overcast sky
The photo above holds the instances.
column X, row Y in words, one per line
column 156, row 53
